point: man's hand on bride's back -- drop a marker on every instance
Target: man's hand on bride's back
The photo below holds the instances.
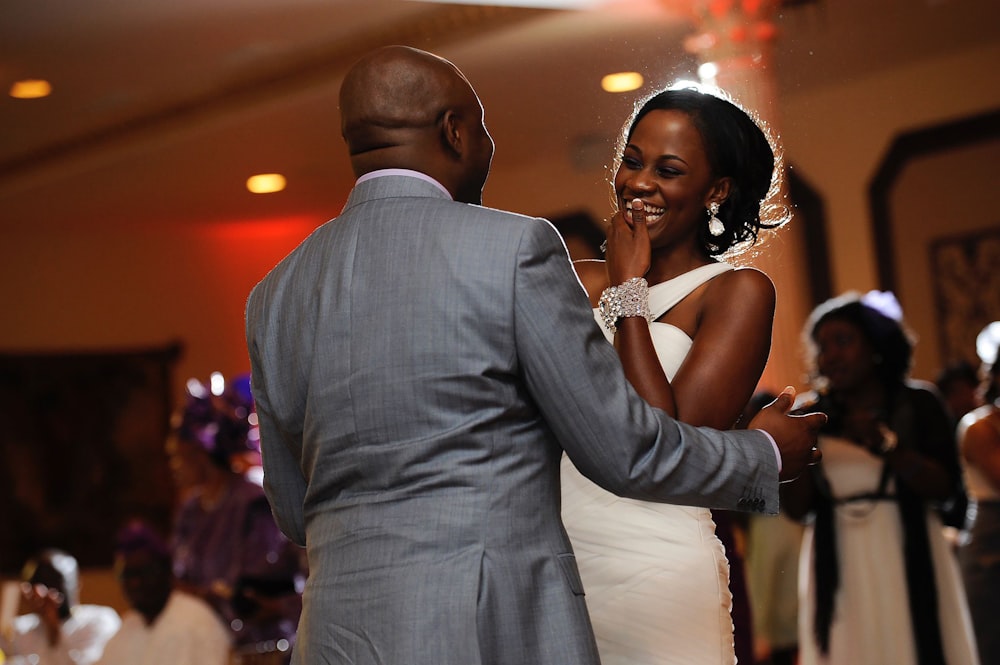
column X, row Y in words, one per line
column 795, row 435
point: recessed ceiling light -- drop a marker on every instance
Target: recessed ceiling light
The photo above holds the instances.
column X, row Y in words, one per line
column 622, row 82
column 266, row 183
column 30, row 89
column 707, row 71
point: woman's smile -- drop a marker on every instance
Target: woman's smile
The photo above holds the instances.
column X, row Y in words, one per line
column 653, row 213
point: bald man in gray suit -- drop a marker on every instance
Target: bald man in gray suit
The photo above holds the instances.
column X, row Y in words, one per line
column 420, row 364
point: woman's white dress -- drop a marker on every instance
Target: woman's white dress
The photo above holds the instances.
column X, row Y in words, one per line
column 871, row 624
column 655, row 575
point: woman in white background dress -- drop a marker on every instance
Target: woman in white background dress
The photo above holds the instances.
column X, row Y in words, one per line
column 694, row 172
column 878, row 580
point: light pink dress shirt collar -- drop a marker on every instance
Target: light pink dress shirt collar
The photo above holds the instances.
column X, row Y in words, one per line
column 404, row 172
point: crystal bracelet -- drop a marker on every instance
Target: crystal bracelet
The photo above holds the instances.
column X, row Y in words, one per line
column 628, row 299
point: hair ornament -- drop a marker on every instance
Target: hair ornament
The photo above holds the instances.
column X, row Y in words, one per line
column 988, row 342
column 885, row 303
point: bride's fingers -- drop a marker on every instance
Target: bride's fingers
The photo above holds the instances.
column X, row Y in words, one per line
column 638, row 214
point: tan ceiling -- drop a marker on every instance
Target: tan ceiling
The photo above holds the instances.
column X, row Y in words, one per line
column 162, row 109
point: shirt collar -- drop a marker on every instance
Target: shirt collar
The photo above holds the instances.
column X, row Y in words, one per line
column 381, row 173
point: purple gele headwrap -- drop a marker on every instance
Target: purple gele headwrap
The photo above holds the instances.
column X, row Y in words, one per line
column 220, row 417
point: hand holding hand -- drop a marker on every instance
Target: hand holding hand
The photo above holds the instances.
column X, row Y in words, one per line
column 628, row 253
column 795, row 435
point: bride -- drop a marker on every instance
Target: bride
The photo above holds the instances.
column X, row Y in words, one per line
column 694, row 172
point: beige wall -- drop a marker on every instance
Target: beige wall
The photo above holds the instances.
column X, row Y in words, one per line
column 837, row 138
column 944, row 196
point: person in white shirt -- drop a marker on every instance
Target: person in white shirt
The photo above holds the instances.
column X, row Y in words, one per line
column 164, row 626
column 57, row 629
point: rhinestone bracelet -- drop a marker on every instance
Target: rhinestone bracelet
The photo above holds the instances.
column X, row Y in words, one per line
column 628, row 299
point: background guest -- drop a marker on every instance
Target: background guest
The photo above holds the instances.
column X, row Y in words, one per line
column 164, row 626
column 57, row 629
column 772, row 565
column 227, row 548
column 959, row 387
column 979, row 440
column 878, row 580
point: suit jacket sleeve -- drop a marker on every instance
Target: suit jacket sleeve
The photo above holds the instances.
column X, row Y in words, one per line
column 284, row 483
column 608, row 431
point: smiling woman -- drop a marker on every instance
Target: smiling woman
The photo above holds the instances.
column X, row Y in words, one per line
column 694, row 173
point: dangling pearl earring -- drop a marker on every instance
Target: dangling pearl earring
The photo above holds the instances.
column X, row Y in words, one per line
column 715, row 225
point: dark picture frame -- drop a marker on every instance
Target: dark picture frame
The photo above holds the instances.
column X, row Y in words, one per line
column 82, row 449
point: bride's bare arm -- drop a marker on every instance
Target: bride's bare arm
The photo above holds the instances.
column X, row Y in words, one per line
column 729, row 350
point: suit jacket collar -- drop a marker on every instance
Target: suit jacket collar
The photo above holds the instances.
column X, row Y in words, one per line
column 392, row 186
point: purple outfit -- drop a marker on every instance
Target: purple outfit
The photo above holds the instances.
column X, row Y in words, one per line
column 236, row 542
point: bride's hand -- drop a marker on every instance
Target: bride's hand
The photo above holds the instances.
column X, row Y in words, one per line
column 628, row 253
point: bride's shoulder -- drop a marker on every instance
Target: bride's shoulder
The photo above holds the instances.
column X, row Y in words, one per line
column 743, row 283
column 743, row 294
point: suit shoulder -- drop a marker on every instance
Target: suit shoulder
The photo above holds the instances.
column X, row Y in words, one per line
column 503, row 222
column 315, row 242
column 505, row 217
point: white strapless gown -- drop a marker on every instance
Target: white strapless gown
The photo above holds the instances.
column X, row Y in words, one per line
column 655, row 575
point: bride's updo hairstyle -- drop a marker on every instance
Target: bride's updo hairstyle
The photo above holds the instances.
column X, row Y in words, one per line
column 738, row 147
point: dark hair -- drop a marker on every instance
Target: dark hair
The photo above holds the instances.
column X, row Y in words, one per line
column 139, row 536
column 956, row 374
column 56, row 569
column 992, row 391
column 889, row 339
column 738, row 148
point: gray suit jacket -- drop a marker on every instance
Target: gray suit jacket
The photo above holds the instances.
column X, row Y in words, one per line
column 419, row 367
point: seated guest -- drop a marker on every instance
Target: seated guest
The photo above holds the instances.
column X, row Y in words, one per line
column 163, row 626
column 57, row 630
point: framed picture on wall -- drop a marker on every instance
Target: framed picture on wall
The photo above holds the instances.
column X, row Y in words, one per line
column 81, row 450
column 966, row 275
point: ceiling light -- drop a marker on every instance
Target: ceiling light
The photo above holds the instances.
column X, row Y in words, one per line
column 707, row 71
column 30, row 89
column 622, row 82
column 266, row 183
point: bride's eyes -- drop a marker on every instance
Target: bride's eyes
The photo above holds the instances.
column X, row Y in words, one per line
column 631, row 163
column 635, row 164
column 667, row 172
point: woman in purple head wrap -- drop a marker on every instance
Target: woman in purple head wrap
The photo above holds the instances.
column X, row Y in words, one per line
column 226, row 546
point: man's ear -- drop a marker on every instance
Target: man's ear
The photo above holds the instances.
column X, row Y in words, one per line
column 451, row 133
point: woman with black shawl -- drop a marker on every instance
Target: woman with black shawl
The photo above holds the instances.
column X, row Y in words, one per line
column 878, row 582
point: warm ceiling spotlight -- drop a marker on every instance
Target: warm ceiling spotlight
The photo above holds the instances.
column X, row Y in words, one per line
column 622, row 82
column 707, row 71
column 30, row 89
column 266, row 183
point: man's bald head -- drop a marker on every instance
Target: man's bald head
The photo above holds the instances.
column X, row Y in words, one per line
column 391, row 89
column 406, row 108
